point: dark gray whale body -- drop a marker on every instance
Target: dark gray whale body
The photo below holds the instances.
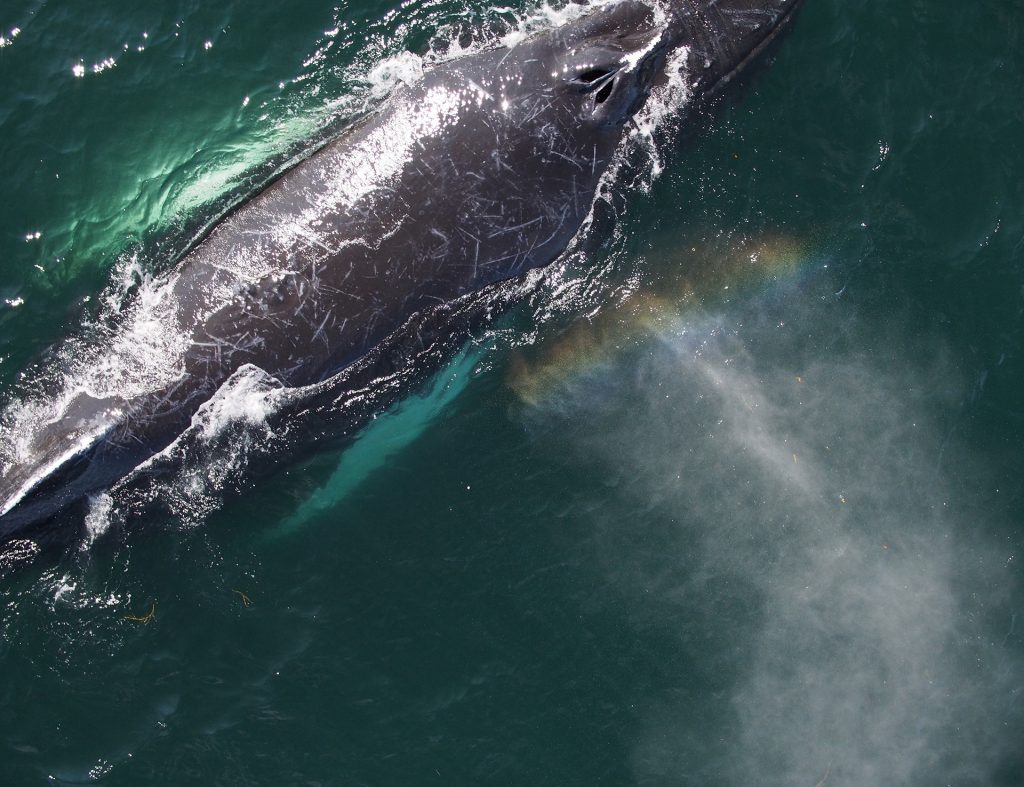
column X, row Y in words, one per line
column 484, row 169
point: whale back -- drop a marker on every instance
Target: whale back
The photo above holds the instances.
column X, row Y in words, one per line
column 483, row 169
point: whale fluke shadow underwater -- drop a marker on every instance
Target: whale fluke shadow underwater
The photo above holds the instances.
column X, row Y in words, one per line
column 318, row 286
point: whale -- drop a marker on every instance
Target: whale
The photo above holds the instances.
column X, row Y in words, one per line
column 482, row 170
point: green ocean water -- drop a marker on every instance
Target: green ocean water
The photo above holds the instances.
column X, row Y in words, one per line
column 676, row 519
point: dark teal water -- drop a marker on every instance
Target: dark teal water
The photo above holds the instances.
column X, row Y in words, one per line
column 679, row 519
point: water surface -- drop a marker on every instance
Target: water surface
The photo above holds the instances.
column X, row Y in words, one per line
column 733, row 498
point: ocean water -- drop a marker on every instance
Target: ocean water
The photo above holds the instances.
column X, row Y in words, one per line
column 732, row 496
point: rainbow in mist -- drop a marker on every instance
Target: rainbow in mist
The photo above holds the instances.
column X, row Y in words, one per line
column 710, row 276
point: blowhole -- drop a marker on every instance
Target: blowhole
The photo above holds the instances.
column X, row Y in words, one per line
column 604, row 92
column 592, row 75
